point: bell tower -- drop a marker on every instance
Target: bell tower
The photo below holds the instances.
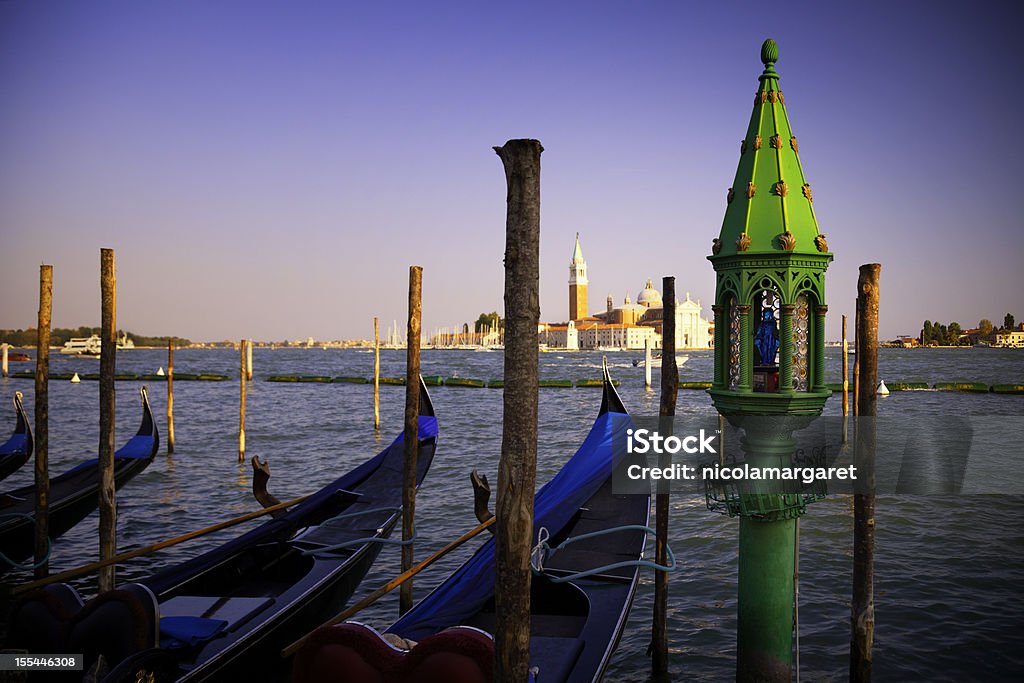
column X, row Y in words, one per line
column 577, row 283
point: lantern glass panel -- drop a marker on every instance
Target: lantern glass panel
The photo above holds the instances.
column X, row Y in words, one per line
column 801, row 342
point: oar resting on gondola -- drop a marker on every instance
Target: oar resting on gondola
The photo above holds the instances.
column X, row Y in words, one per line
column 581, row 591
column 18, row 449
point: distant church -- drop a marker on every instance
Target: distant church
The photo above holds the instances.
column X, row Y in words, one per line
column 626, row 327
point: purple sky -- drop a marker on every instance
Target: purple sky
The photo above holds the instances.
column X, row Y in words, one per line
column 270, row 170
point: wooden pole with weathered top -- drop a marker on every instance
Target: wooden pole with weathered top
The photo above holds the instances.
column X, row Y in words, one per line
column 669, row 394
column 170, row 396
column 42, row 435
column 376, row 374
column 517, row 469
column 108, row 368
column 241, row 402
column 412, row 439
column 862, row 606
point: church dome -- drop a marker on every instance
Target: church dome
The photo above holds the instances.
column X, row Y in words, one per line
column 649, row 297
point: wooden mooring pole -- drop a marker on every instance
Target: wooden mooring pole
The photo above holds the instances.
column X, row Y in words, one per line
column 241, row 403
column 669, row 394
column 42, row 423
column 863, row 602
column 248, row 360
column 108, row 368
column 846, row 384
column 517, row 469
column 856, row 363
column 3, row 365
column 412, row 429
column 647, row 361
column 376, row 374
column 170, row 396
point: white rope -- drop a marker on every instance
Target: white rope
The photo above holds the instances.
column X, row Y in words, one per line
column 540, row 550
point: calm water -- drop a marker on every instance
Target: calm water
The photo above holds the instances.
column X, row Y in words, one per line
column 949, row 571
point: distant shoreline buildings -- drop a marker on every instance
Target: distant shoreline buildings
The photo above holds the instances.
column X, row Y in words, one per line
column 629, row 326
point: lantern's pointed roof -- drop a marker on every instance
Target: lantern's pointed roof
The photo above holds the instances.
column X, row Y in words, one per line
column 770, row 201
column 577, row 252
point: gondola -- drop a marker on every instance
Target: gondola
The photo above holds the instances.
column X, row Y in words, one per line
column 73, row 494
column 576, row 619
column 18, row 449
column 225, row 614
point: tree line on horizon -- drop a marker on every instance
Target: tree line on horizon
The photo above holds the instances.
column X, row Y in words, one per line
column 949, row 335
column 60, row 335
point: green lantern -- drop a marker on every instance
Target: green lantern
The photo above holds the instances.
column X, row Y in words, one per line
column 770, row 260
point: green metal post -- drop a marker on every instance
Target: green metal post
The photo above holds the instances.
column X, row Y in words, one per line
column 765, row 608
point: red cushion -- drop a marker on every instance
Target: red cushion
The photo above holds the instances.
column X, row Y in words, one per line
column 356, row 654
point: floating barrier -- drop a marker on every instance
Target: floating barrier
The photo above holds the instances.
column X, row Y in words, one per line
column 351, row 380
column 1008, row 388
column 496, row 384
column 909, row 386
column 320, row 379
column 465, row 382
column 695, row 385
column 399, row 381
column 433, row 380
column 962, row 386
column 559, row 383
column 283, row 378
column 594, row 383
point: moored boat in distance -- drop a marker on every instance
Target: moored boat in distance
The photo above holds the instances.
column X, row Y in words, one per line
column 90, row 347
column 656, row 361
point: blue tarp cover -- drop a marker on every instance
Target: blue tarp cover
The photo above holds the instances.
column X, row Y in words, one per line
column 178, row 632
column 469, row 588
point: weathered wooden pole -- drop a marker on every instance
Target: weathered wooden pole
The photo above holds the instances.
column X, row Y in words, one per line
column 647, row 360
column 846, row 384
column 376, row 374
column 669, row 394
column 248, row 360
column 862, row 606
column 3, row 366
column 412, row 429
column 42, row 436
column 170, row 396
column 517, row 470
column 856, row 362
column 241, row 404
column 108, row 367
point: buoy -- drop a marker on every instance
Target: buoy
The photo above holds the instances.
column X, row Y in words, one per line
column 75, row 379
column 882, row 389
column 160, row 372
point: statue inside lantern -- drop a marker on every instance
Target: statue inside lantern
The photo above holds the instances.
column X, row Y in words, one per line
column 767, row 338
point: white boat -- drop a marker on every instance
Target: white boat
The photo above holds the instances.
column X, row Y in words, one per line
column 90, row 346
column 656, row 361
column 82, row 346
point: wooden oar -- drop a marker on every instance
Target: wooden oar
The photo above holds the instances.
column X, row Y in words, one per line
column 392, row 584
column 93, row 566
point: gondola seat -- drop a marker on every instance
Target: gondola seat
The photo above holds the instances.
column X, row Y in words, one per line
column 115, row 624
